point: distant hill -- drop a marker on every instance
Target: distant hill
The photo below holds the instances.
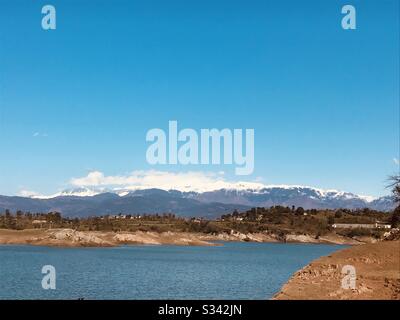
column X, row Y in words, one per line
column 211, row 204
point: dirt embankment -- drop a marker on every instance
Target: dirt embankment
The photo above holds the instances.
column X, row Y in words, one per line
column 73, row 238
column 377, row 275
column 289, row 238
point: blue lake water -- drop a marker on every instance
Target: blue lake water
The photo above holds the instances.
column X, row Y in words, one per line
column 236, row 270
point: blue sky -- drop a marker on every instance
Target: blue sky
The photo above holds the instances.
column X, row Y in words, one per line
column 323, row 101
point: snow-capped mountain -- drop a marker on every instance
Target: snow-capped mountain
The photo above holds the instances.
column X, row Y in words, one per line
column 92, row 201
column 299, row 196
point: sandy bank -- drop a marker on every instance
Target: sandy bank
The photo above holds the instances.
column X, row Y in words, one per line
column 377, row 268
column 72, row 238
column 289, row 238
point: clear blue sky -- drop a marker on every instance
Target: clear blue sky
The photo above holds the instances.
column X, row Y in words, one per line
column 324, row 102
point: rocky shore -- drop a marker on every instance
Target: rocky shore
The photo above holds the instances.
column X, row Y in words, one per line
column 288, row 238
column 73, row 238
column 377, row 268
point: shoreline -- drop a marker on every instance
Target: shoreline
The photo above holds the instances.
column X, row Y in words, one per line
column 73, row 238
column 377, row 267
column 377, row 264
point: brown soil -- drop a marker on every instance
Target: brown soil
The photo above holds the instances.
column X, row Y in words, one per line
column 72, row 238
column 377, row 275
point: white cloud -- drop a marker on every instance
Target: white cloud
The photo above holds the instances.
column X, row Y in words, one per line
column 396, row 161
column 38, row 134
column 183, row 181
column 96, row 182
column 28, row 193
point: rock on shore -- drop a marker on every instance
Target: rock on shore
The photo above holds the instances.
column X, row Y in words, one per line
column 73, row 238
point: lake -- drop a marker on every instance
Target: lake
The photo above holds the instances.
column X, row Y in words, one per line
column 235, row 270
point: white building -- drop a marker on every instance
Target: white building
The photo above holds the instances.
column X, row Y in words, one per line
column 361, row 225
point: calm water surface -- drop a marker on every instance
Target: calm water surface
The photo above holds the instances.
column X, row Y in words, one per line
column 236, row 270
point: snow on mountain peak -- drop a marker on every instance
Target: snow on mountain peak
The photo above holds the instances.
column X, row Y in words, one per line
column 239, row 188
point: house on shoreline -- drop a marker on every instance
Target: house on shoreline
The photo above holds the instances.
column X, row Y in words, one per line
column 39, row 223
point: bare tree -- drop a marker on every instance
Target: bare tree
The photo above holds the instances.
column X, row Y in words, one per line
column 395, row 186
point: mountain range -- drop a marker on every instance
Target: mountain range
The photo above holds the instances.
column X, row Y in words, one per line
column 83, row 202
